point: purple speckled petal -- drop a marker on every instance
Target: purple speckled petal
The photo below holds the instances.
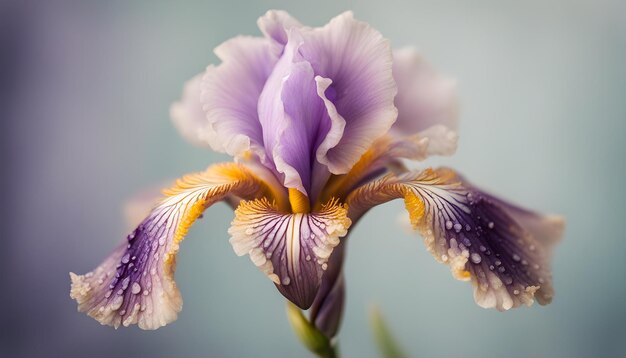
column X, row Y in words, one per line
column 478, row 236
column 425, row 97
column 230, row 92
column 291, row 249
column 354, row 65
column 135, row 284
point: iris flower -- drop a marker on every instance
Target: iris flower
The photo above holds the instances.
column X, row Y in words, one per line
column 320, row 122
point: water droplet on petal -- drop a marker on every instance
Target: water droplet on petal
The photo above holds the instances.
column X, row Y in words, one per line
column 449, row 224
column 286, row 280
column 457, row 227
column 136, row 288
column 117, row 302
column 125, row 283
column 475, row 258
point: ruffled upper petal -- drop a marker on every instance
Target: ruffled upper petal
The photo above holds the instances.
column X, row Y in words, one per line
column 478, row 236
column 188, row 116
column 425, row 97
column 354, row 65
column 230, row 92
column 307, row 102
column 135, row 284
column 275, row 24
column 292, row 117
column 291, row 249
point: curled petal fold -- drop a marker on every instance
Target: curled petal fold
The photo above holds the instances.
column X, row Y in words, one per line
column 135, row 284
column 354, row 65
column 502, row 249
column 291, row 249
column 293, row 119
column 275, row 24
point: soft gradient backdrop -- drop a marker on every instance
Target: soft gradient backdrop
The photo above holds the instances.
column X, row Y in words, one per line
column 85, row 88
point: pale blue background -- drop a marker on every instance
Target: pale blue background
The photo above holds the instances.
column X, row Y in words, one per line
column 87, row 86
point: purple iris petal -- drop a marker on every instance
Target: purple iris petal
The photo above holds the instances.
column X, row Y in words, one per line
column 354, row 65
column 135, row 284
column 479, row 236
column 188, row 116
column 275, row 24
column 327, row 309
column 307, row 101
column 425, row 98
column 294, row 120
column 230, row 92
column 291, row 249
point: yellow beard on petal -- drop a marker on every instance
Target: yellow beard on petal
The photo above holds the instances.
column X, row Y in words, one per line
column 298, row 201
column 339, row 185
column 415, row 206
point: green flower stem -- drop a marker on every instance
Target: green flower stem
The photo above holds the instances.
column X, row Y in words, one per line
column 384, row 339
column 311, row 337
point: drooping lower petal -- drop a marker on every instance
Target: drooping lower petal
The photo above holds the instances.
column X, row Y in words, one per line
column 291, row 249
column 482, row 238
column 135, row 284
